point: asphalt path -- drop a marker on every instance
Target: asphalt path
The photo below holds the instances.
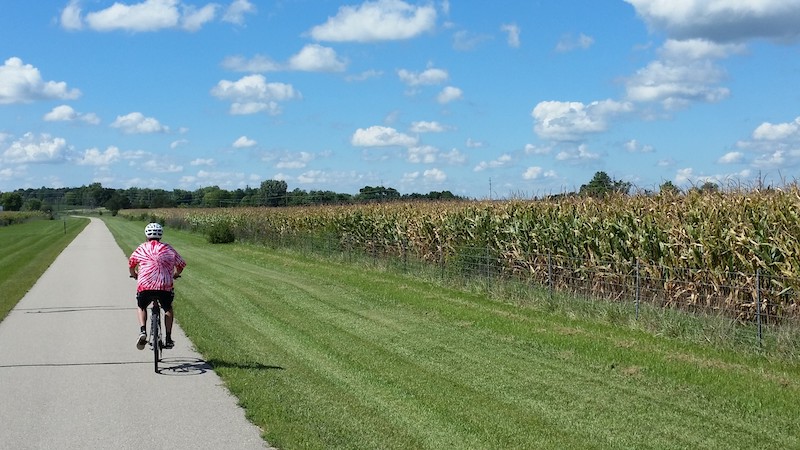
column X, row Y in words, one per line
column 72, row 378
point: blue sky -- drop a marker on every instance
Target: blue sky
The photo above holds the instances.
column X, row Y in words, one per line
column 501, row 99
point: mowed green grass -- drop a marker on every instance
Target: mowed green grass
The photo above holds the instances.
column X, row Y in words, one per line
column 26, row 251
column 324, row 355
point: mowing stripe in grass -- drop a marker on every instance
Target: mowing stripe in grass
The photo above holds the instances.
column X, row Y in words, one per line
column 576, row 380
column 329, row 355
column 332, row 350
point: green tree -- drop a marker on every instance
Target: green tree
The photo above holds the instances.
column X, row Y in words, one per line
column 273, row 192
column 709, row 187
column 117, row 202
column 377, row 193
column 602, row 185
column 216, row 197
column 668, row 188
column 11, row 201
column 162, row 199
column 32, row 204
column 71, row 198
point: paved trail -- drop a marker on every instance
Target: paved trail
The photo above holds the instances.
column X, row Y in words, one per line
column 72, row 378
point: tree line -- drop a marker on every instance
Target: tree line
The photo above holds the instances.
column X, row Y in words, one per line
column 270, row 193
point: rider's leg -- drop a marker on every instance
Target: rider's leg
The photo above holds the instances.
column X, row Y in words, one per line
column 169, row 314
column 142, row 339
column 168, row 317
column 142, row 316
column 142, row 302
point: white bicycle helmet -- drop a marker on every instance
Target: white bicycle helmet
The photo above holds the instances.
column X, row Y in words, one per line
column 153, row 231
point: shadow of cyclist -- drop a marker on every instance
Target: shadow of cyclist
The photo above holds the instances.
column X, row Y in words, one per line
column 182, row 366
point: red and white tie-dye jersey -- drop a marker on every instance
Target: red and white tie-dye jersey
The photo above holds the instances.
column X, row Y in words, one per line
column 157, row 262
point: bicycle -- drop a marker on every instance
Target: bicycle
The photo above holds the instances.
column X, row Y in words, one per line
column 156, row 342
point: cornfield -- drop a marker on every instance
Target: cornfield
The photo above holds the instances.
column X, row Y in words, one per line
column 685, row 250
column 14, row 217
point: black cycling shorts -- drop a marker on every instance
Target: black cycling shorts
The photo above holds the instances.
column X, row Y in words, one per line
column 144, row 298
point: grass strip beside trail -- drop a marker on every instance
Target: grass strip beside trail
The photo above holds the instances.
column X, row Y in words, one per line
column 327, row 355
column 27, row 250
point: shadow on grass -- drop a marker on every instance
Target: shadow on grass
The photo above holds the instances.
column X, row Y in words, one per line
column 219, row 363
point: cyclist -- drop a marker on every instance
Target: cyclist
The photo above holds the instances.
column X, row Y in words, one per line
column 158, row 264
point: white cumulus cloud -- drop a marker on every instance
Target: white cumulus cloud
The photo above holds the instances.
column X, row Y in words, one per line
column 65, row 113
column 429, row 76
column 427, row 127
column 578, row 155
column 676, row 86
column 434, row 175
column 536, row 172
column 381, row 20
column 244, row 142
column 31, row 148
column 22, row 83
column 380, row 136
column 502, row 161
column 95, row 157
column 236, row 11
column 194, row 18
column 777, row 131
column 71, row 16
column 569, row 121
column 311, row 58
column 633, row 146
column 152, row 15
column 731, row 158
column 722, row 20
column 137, row 123
column 449, row 94
column 425, row 154
column 252, row 94
column 316, row 58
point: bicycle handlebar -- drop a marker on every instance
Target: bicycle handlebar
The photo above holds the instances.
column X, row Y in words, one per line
column 135, row 276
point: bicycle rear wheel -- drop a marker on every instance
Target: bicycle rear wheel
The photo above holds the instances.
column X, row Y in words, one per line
column 155, row 327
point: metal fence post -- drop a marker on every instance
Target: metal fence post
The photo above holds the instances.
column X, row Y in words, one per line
column 488, row 270
column 404, row 243
column 550, row 274
column 440, row 250
column 758, row 308
column 638, row 287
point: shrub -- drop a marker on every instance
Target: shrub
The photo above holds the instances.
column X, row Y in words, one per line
column 220, row 233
